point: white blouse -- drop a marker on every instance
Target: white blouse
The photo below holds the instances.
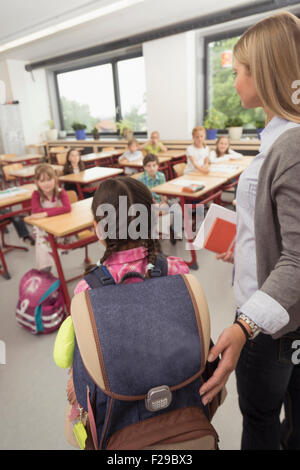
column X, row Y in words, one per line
column 199, row 154
column 231, row 155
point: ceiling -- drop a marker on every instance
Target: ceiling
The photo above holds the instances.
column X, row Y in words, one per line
column 19, row 18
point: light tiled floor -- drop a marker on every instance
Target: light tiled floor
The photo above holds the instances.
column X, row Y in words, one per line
column 32, row 388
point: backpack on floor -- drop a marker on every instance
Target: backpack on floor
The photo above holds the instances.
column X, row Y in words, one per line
column 140, row 360
column 41, row 307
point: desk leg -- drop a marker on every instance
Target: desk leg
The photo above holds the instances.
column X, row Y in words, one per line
column 188, row 229
column 60, row 271
column 79, row 189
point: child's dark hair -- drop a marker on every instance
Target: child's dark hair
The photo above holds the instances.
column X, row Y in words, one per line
column 150, row 157
column 136, row 192
column 68, row 166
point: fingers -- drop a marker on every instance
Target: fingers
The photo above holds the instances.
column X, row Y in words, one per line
column 215, row 385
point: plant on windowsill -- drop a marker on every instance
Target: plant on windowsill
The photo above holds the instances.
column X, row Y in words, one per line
column 214, row 120
column 260, row 125
column 95, row 133
column 52, row 133
column 125, row 129
column 79, row 130
column 235, row 128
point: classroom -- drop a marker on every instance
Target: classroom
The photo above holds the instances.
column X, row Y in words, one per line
column 152, row 144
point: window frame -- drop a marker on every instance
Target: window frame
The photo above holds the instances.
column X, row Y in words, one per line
column 217, row 37
column 116, row 86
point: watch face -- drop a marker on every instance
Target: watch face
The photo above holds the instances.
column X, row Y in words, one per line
column 256, row 333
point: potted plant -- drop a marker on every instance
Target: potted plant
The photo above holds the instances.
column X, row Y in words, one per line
column 95, row 133
column 214, row 120
column 235, row 128
column 125, row 129
column 79, row 130
column 260, row 125
column 52, row 133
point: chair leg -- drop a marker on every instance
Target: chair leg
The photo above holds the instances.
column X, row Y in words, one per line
column 9, row 247
column 4, row 271
column 87, row 260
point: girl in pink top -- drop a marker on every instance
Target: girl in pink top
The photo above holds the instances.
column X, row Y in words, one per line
column 47, row 201
column 123, row 252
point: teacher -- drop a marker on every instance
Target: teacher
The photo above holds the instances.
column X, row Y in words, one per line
column 262, row 343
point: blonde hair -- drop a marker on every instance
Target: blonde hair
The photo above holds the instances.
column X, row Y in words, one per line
column 270, row 52
column 45, row 169
column 218, row 153
column 197, row 129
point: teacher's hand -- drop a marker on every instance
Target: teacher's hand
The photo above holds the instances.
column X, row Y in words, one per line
column 229, row 345
column 228, row 257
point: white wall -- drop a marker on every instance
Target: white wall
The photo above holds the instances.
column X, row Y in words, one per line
column 171, row 85
column 32, row 93
column 4, row 76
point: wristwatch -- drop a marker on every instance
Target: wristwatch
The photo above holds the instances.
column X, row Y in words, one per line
column 255, row 330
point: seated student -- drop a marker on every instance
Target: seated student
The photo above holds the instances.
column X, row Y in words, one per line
column 73, row 165
column 47, row 201
column 120, row 257
column 223, row 152
column 154, row 146
column 198, row 153
column 131, row 155
column 151, row 178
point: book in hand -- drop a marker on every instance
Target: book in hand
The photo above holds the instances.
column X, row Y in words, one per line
column 193, row 188
column 221, row 236
column 205, row 235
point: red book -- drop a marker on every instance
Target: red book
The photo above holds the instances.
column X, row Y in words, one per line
column 221, row 236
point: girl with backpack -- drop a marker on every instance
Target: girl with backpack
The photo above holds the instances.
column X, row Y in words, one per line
column 122, row 255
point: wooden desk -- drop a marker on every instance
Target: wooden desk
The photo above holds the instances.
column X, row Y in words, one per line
column 26, row 159
column 103, row 157
column 80, row 218
column 91, row 175
column 23, row 197
column 27, row 172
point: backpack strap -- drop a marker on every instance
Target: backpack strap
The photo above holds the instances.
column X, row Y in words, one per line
column 38, row 310
column 160, row 266
column 100, row 276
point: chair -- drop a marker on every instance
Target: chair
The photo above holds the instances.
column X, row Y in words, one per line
column 108, row 149
column 179, row 169
column 6, row 175
column 72, row 195
column 61, row 158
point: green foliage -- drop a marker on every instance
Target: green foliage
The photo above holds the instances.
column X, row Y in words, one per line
column 214, row 119
column 51, row 124
column 76, row 126
column 259, row 124
column 76, row 112
column 234, row 122
column 124, row 126
column 221, row 93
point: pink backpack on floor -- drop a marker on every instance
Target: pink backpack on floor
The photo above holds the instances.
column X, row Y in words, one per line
column 41, row 307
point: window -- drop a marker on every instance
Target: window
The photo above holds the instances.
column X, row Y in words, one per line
column 133, row 92
column 220, row 91
column 103, row 95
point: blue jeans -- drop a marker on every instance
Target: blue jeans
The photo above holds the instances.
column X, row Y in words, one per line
column 266, row 379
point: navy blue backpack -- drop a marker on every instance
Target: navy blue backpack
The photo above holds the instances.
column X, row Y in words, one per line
column 140, row 359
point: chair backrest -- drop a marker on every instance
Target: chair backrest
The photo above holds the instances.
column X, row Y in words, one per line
column 6, row 169
column 61, row 158
column 179, row 169
column 58, row 149
column 72, row 195
column 108, row 149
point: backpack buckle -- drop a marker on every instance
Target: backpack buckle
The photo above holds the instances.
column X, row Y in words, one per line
column 155, row 272
column 158, row 398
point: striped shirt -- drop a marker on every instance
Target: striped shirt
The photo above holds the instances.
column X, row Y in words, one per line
column 152, row 182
